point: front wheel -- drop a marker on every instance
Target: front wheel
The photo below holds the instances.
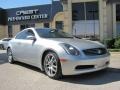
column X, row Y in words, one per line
column 52, row 66
column 10, row 56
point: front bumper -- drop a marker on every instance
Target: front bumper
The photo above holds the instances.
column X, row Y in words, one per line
column 69, row 66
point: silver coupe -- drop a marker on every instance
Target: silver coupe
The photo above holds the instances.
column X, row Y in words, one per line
column 57, row 53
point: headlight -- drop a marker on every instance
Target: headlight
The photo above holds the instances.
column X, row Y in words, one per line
column 70, row 49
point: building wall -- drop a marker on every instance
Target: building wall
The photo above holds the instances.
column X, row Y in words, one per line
column 66, row 16
column 2, row 31
column 39, row 25
column 16, row 29
column 66, row 23
column 6, row 31
column 58, row 17
column 110, row 20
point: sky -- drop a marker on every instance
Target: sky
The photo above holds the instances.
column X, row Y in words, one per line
column 21, row 3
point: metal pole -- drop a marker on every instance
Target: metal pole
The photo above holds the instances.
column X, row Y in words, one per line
column 93, row 15
column 94, row 23
column 51, row 12
column 85, row 34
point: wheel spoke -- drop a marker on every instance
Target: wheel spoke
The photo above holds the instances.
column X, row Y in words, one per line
column 54, row 70
column 48, row 58
column 54, row 66
column 46, row 63
column 51, row 59
column 51, row 71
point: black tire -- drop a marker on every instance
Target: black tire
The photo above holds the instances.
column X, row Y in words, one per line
column 56, row 62
column 2, row 46
column 10, row 56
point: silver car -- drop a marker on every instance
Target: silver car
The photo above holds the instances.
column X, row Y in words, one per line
column 57, row 53
column 4, row 43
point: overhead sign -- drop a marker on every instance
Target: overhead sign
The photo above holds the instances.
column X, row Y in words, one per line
column 27, row 12
column 28, row 15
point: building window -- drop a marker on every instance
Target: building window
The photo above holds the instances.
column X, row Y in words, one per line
column 118, row 12
column 59, row 25
column 10, row 32
column 46, row 25
column 26, row 26
column 92, row 11
column 85, row 11
column 78, row 12
column 85, row 16
column 22, row 27
column 118, row 19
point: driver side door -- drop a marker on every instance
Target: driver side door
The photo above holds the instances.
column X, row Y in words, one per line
column 30, row 48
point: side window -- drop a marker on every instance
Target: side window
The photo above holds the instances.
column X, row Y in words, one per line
column 24, row 34
column 21, row 35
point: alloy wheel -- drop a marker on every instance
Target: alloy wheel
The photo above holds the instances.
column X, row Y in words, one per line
column 50, row 65
column 10, row 57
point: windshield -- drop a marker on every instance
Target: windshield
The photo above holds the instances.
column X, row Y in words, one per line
column 52, row 33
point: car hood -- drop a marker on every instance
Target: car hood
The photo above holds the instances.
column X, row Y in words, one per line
column 80, row 43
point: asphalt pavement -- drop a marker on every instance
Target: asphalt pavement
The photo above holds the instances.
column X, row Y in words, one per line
column 20, row 76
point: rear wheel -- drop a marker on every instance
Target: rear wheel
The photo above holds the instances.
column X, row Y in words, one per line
column 2, row 46
column 10, row 56
column 52, row 66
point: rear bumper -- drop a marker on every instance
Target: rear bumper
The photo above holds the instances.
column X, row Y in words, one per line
column 69, row 67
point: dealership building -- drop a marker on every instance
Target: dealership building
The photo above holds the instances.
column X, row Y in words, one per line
column 99, row 19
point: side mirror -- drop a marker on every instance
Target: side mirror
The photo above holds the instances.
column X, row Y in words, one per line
column 31, row 38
